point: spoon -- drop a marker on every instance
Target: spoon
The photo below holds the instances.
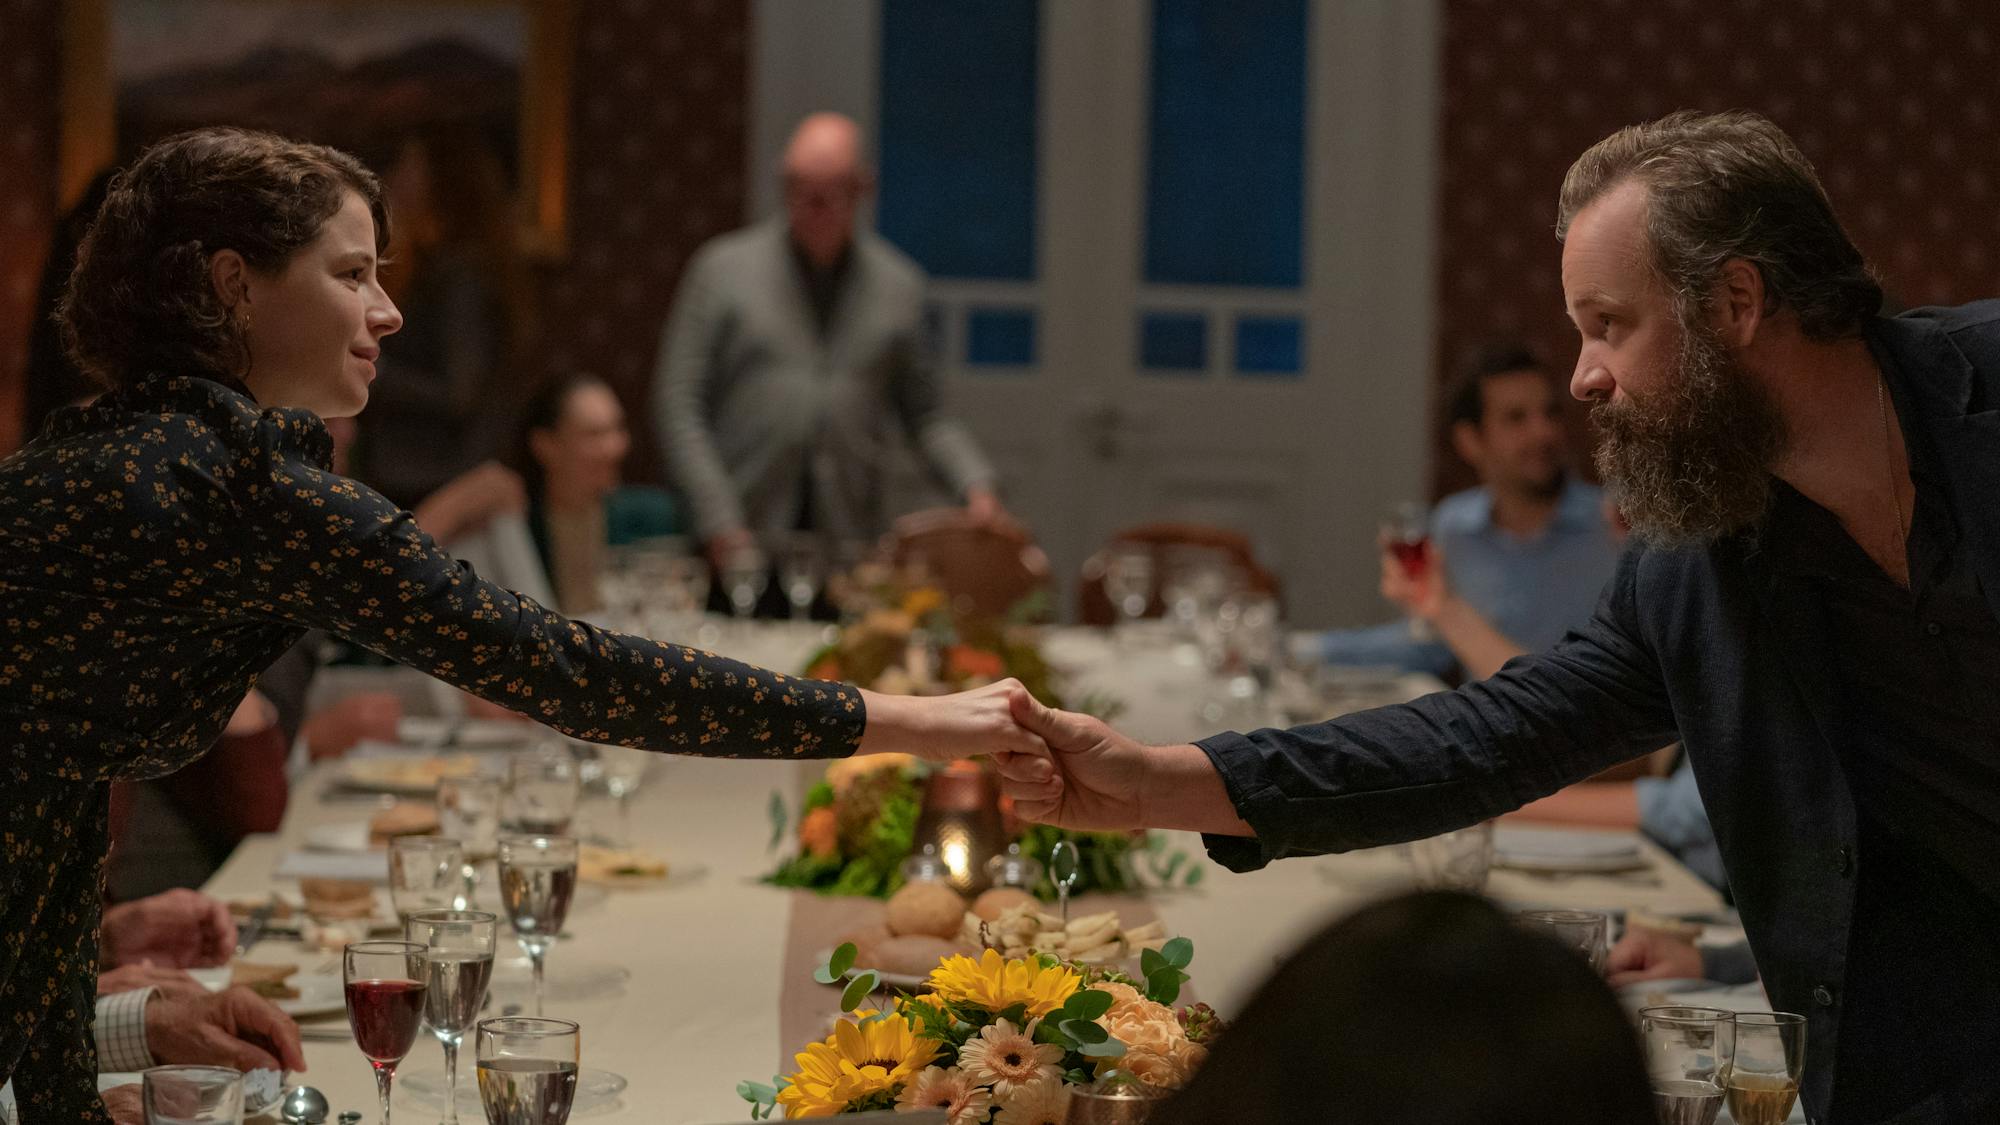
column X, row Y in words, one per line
column 304, row 1106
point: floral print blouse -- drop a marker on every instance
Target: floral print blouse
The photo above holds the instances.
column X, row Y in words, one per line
column 158, row 550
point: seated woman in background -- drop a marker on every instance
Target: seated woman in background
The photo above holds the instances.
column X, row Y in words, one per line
column 160, row 548
column 571, row 456
column 1429, row 1009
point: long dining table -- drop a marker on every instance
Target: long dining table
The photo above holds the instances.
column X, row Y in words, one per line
column 678, row 983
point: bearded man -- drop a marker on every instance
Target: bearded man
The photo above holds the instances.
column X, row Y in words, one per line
column 1809, row 604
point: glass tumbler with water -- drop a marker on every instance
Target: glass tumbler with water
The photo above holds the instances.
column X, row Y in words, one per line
column 1689, row 1055
column 527, row 1069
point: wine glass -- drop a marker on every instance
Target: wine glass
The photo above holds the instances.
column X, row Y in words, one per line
column 192, row 1095
column 1453, row 861
column 1128, row 582
column 623, row 769
column 456, row 975
column 385, row 983
column 1586, row 931
column 1770, row 1059
column 425, row 873
column 1689, row 1052
column 800, row 570
column 745, row 573
column 1406, row 534
column 469, row 812
column 537, row 880
column 543, row 788
column 527, row 1069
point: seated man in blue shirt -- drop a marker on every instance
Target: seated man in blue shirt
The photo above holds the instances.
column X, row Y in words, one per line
column 1529, row 549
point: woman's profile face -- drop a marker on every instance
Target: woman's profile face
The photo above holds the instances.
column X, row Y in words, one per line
column 584, row 452
column 314, row 328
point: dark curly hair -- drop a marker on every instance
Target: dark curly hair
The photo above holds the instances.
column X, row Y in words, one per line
column 140, row 301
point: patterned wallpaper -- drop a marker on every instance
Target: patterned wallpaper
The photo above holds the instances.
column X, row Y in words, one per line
column 657, row 143
column 1895, row 101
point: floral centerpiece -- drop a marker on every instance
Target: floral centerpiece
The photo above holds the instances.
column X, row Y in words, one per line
column 996, row 1041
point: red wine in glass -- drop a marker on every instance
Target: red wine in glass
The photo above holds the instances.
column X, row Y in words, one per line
column 1414, row 555
column 386, row 1015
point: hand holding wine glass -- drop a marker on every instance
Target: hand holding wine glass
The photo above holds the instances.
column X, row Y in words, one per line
column 385, row 984
column 527, row 1069
column 457, row 971
column 537, row 881
column 1409, row 566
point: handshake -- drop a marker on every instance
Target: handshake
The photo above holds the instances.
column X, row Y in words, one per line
column 1060, row 768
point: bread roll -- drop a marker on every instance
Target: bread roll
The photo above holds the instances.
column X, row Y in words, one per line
column 926, row 908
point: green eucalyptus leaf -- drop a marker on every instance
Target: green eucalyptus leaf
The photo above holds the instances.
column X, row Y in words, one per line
column 779, row 818
column 1178, row 952
column 864, row 982
column 1084, row 1032
column 1196, row 873
column 1151, row 961
column 1164, row 987
column 1109, row 1049
column 1089, row 1004
column 755, row 1092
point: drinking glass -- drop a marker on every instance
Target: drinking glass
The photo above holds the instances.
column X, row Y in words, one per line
column 537, row 880
column 385, row 983
column 192, row 1095
column 800, row 571
column 469, row 812
column 543, row 788
column 623, row 769
column 457, row 972
column 1586, row 931
column 745, row 573
column 1454, row 861
column 1688, row 1056
column 527, row 1069
column 425, row 873
column 1406, row 534
column 1770, row 1059
column 1128, row 582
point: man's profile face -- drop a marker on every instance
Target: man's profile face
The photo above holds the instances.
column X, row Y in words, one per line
column 1688, row 433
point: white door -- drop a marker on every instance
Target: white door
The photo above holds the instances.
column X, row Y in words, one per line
column 1135, row 363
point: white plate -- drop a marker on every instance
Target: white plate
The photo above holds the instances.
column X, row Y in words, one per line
column 319, row 993
column 346, row 836
column 405, row 774
column 421, row 731
column 1558, row 849
column 594, row 1089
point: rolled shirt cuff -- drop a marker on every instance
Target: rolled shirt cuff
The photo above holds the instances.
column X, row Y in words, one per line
column 120, row 1031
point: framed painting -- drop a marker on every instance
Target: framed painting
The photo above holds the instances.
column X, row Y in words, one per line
column 368, row 76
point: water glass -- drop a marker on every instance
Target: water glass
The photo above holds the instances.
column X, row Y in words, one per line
column 527, row 1069
column 1128, row 583
column 425, row 873
column 457, row 971
column 192, row 1095
column 1453, row 861
column 622, row 770
column 537, row 882
column 801, row 570
column 469, row 812
column 1586, row 931
column 543, row 788
column 385, row 982
column 1770, row 1060
column 1689, row 1054
column 745, row 574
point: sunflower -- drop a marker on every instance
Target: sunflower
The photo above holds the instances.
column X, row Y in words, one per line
column 994, row 984
column 860, row 1065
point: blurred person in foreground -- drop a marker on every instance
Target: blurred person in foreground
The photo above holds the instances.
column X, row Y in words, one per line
column 795, row 353
column 571, row 453
column 1811, row 606
column 161, row 547
column 1529, row 549
column 1427, row 1009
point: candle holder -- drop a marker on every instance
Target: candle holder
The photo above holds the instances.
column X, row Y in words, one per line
column 960, row 822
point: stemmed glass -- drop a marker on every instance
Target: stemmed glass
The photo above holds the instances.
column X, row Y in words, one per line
column 544, row 789
column 385, row 983
column 192, row 1095
column 1586, row 931
column 745, row 573
column 1458, row 860
column 469, row 812
column 1406, row 534
column 458, row 970
column 527, row 1069
column 425, row 873
column 623, row 768
column 1689, row 1053
column 1770, row 1060
column 800, row 572
column 1128, row 582
column 537, row 880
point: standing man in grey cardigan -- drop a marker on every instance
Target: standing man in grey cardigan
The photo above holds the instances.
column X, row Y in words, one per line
column 794, row 352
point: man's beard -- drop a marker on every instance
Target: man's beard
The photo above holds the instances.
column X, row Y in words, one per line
column 1691, row 462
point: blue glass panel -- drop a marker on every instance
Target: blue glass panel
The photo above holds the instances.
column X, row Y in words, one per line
column 1173, row 343
column 958, row 105
column 1000, row 337
column 1225, row 177
column 1270, row 345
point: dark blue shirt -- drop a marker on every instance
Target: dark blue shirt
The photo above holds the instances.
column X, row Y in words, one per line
column 1729, row 650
